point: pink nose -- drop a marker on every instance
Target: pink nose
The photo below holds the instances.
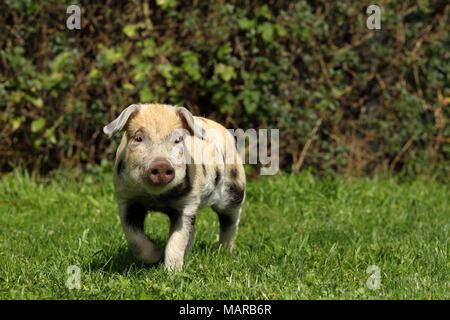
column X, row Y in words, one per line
column 161, row 172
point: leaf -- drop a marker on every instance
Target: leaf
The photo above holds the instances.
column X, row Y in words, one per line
column 37, row 124
column 50, row 135
column 60, row 62
column 191, row 64
column 165, row 4
column 128, row 86
column 37, row 102
column 304, row 34
column 251, row 99
column 145, row 95
column 224, row 50
column 112, row 55
column 266, row 29
column 280, row 30
column 37, row 143
column 149, row 48
column 16, row 122
column 140, row 71
column 166, row 70
column 129, row 30
column 246, row 23
column 226, row 72
column 16, row 96
column 264, row 12
column 95, row 74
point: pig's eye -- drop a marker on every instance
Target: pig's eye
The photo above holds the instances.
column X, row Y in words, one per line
column 138, row 138
column 179, row 139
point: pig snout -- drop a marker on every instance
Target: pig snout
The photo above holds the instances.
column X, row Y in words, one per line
column 161, row 171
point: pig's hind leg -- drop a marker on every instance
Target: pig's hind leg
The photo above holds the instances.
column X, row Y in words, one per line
column 229, row 221
column 229, row 207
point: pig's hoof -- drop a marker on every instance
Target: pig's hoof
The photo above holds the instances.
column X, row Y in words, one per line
column 226, row 247
column 172, row 265
column 156, row 257
column 151, row 258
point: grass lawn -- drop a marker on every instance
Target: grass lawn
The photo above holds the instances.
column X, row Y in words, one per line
column 300, row 237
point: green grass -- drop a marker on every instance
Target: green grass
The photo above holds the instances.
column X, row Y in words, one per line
column 300, row 237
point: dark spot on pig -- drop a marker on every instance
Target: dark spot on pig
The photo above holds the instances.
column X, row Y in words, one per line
column 225, row 221
column 236, row 193
column 191, row 220
column 180, row 190
column 234, row 173
column 135, row 216
column 218, row 176
column 120, row 167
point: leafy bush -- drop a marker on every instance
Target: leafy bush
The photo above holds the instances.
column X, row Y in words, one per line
column 346, row 99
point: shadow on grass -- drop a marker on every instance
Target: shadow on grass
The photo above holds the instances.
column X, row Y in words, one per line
column 120, row 260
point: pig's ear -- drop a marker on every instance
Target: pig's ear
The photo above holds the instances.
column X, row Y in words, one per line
column 119, row 123
column 193, row 126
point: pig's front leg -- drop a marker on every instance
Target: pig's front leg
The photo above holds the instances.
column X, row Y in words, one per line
column 132, row 216
column 180, row 239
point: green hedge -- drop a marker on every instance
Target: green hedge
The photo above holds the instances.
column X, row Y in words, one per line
column 346, row 99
